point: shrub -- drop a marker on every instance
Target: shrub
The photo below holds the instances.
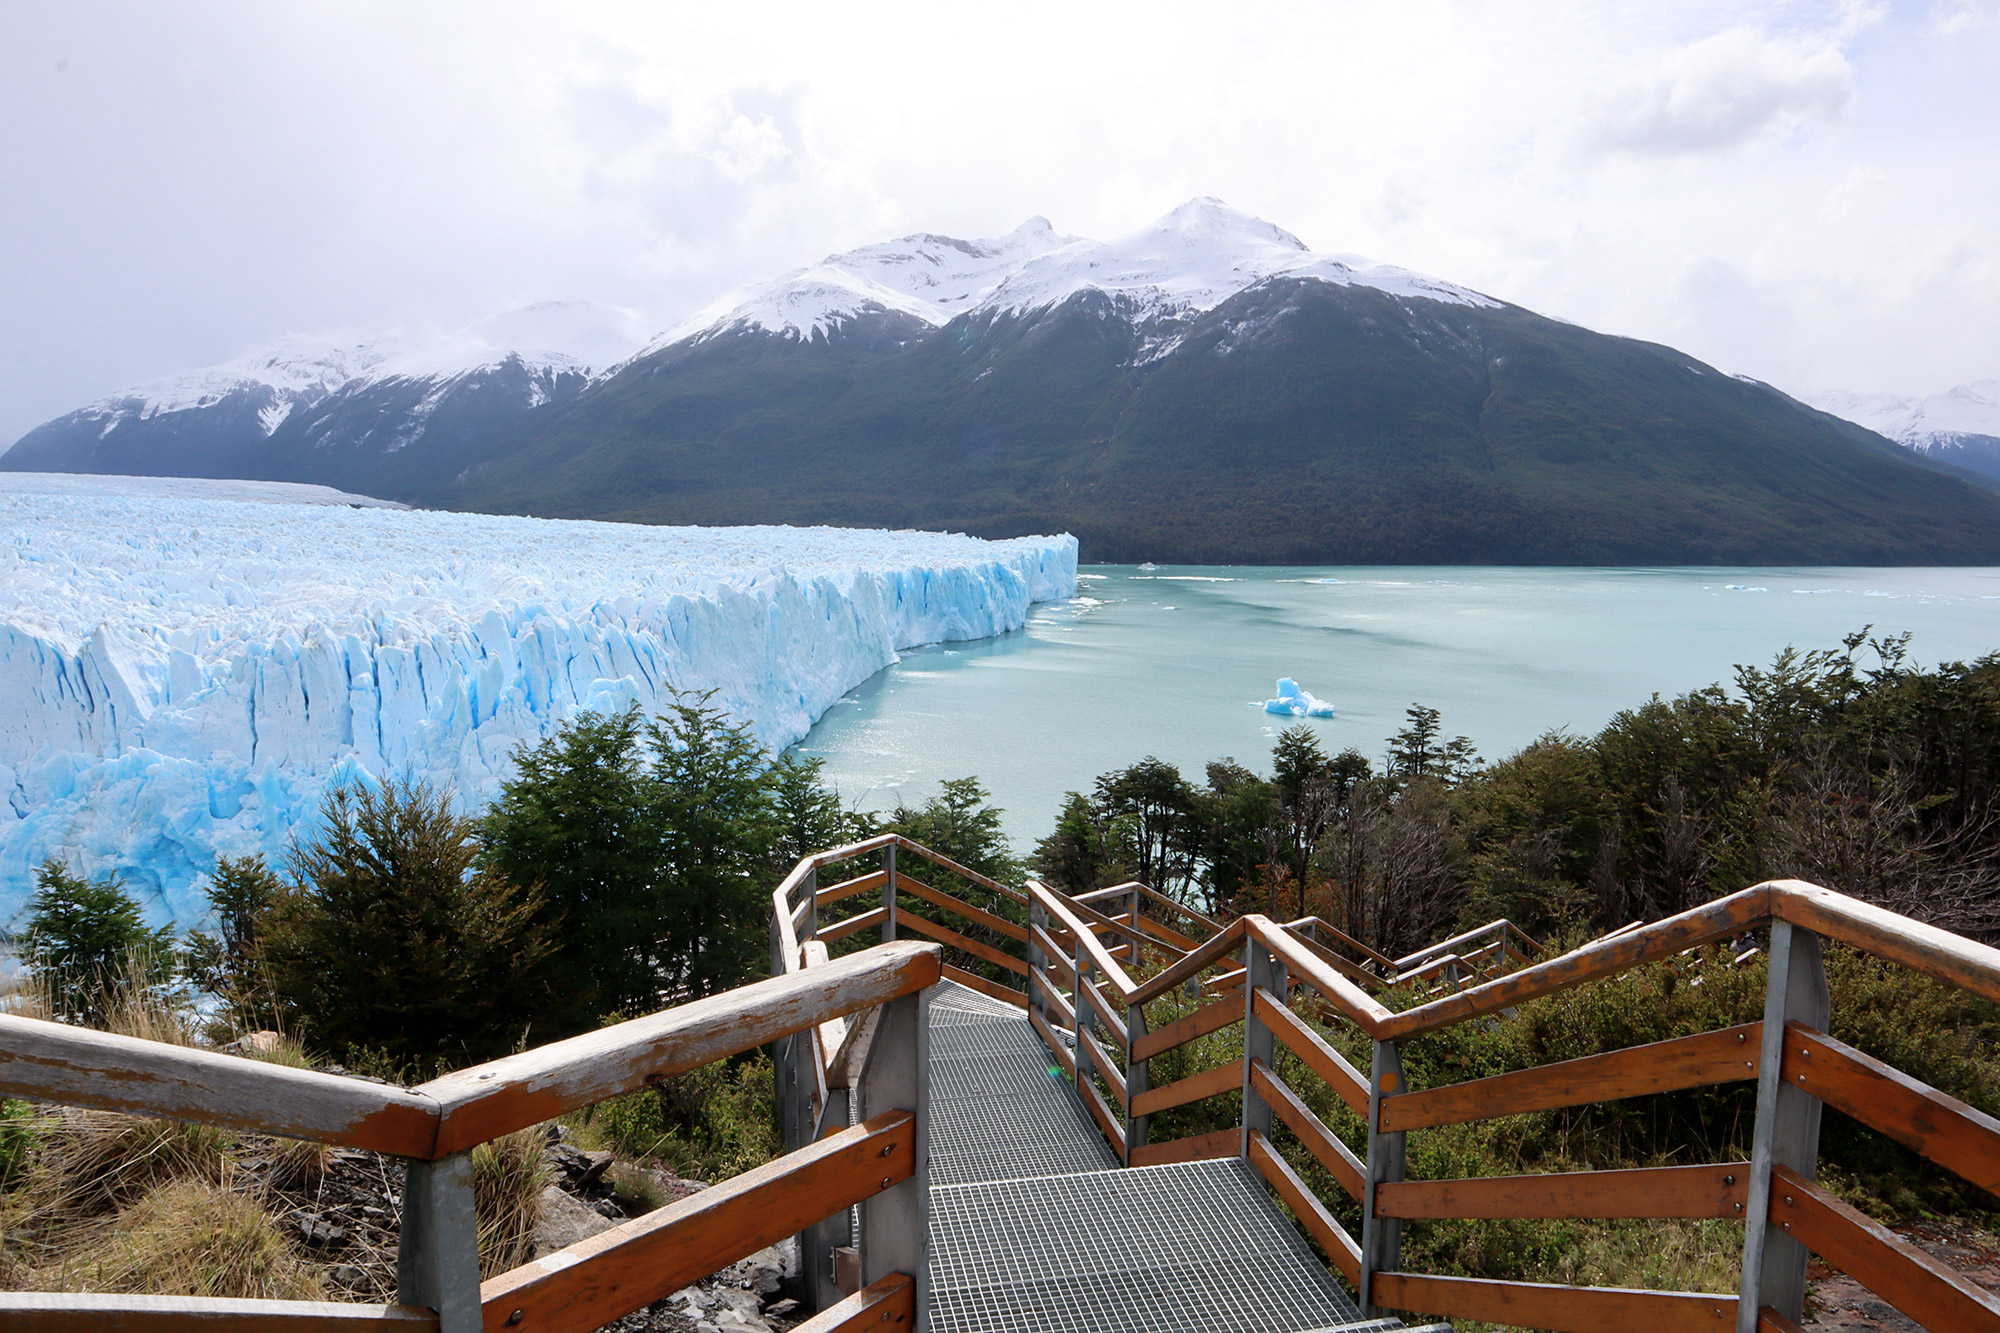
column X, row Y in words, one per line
column 240, row 892
column 707, row 1124
column 392, row 939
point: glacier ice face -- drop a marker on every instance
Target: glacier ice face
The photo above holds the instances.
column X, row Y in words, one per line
column 1292, row 701
column 183, row 669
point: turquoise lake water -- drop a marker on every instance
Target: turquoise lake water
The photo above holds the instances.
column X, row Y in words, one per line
column 1175, row 663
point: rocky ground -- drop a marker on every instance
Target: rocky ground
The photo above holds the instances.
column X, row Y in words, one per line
column 346, row 1216
column 1836, row 1301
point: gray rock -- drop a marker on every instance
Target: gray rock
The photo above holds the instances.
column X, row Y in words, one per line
column 562, row 1222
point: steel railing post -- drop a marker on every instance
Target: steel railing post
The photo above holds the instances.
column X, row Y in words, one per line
column 817, row 1245
column 1381, row 1237
column 1136, row 1078
column 889, row 894
column 895, row 1224
column 1038, row 966
column 1086, row 1021
column 1786, row 1132
column 1260, row 968
column 437, row 1250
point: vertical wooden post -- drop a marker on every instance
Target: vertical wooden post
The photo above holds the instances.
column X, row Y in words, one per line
column 1136, row 1078
column 895, row 1224
column 1260, row 968
column 437, row 1252
column 889, row 894
column 1786, row 1132
column 1381, row 1237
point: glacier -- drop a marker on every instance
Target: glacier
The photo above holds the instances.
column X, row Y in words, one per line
column 186, row 665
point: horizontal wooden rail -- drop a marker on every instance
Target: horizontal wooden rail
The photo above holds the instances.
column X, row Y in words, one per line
column 1113, row 1076
column 1313, row 927
column 1957, row 1137
column 1312, row 1214
column 1949, row 958
column 601, row 1279
column 1055, row 958
column 1347, row 1082
column 1723, row 1056
column 1556, row 1309
column 1929, row 1291
column 1194, row 963
column 1057, row 1051
column 1110, row 1017
column 77, row 1066
column 1054, row 998
column 1209, row 1018
column 1354, row 1004
column 916, row 888
column 853, row 925
column 1325, row 1146
column 991, row 989
column 1593, row 962
column 860, row 884
column 1194, row 1148
column 1208, row 1083
column 1100, row 1111
column 1053, row 904
column 516, row 1091
column 945, row 863
column 1660, row 1191
column 888, row 1305
column 75, row 1312
column 946, row 935
column 1102, row 924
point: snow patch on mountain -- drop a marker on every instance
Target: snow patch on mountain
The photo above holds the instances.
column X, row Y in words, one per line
column 1195, row 258
column 554, row 337
column 563, row 337
column 185, row 665
column 1189, row 261
column 925, row 276
column 1921, row 423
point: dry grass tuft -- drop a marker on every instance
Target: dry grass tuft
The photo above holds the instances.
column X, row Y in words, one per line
column 192, row 1237
column 508, row 1176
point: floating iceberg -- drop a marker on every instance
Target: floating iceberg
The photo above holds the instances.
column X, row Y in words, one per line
column 185, row 666
column 1295, row 702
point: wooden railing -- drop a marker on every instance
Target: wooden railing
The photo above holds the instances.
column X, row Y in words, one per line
column 1278, row 987
column 875, row 1164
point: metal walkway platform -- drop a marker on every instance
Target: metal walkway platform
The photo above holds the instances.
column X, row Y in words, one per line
column 1035, row 1226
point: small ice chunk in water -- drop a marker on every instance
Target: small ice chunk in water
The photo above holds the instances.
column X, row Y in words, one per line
column 1295, row 702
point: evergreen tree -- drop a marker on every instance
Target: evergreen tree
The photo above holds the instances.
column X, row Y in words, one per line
column 960, row 824
column 85, row 937
column 392, row 940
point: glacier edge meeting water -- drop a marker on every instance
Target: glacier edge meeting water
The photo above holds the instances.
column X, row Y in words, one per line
column 182, row 675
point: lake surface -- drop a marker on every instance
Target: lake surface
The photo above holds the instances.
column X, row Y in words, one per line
column 1176, row 662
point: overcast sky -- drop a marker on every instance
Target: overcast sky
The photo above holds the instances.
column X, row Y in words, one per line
column 1808, row 193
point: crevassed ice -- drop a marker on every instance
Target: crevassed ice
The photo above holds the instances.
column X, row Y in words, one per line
column 182, row 674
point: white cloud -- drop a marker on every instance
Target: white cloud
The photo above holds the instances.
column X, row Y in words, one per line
column 197, row 181
column 1727, row 90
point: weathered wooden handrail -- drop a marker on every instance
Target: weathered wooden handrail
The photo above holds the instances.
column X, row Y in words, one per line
column 433, row 1127
column 55, row 1062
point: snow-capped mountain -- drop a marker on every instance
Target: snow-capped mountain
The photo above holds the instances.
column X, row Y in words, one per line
column 248, row 416
column 1959, row 426
column 1204, row 389
column 1185, row 263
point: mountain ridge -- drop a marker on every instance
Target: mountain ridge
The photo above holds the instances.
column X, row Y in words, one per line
column 1203, row 389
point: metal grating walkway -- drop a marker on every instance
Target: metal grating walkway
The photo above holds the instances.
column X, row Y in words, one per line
column 1034, row 1226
